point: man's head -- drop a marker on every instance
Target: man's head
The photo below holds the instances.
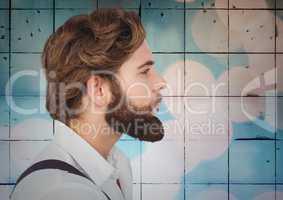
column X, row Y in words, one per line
column 100, row 66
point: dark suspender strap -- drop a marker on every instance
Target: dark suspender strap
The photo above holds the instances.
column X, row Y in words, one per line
column 54, row 164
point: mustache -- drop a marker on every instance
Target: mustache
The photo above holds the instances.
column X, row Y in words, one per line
column 156, row 102
column 159, row 99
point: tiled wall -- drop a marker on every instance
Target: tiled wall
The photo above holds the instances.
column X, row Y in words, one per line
column 223, row 114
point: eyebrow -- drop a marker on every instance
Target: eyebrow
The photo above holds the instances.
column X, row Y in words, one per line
column 149, row 62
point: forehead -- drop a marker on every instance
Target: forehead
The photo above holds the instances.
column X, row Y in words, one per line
column 143, row 51
column 142, row 54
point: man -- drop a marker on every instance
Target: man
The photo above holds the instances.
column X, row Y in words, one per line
column 101, row 84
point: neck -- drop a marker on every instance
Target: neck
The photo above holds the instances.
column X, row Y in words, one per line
column 97, row 134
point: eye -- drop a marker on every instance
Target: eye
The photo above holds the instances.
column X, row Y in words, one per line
column 145, row 71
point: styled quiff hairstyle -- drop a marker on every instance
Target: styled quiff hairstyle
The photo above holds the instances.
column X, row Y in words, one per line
column 99, row 41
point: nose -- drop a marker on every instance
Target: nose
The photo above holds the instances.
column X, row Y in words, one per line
column 160, row 83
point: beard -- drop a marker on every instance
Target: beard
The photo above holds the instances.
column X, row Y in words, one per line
column 138, row 122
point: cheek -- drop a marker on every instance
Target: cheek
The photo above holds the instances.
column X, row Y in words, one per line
column 139, row 93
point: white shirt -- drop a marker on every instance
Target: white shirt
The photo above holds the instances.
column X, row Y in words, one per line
column 53, row 184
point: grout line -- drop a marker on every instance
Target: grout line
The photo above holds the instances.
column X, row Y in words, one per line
column 53, row 30
column 184, row 116
column 228, row 140
column 25, row 140
column 141, row 155
column 275, row 105
column 140, row 146
column 9, row 86
column 53, row 25
column 50, row 9
column 169, row 52
column 139, row 10
column 210, row 183
column 208, row 96
column 147, row 8
column 207, row 183
column 7, row 183
column 167, row 96
column 215, row 52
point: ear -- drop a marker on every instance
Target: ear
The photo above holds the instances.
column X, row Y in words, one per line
column 97, row 90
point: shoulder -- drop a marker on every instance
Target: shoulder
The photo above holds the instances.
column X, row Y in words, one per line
column 65, row 190
column 52, row 151
column 73, row 191
column 56, row 184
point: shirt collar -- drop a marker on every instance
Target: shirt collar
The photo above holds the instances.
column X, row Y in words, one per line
column 92, row 162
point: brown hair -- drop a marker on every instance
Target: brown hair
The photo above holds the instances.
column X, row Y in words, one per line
column 102, row 40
